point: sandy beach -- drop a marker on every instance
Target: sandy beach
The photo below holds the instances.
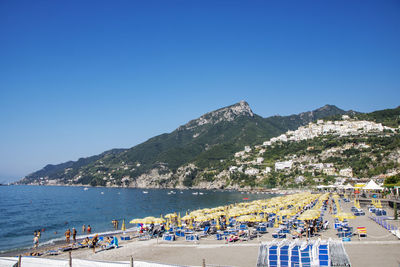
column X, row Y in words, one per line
column 380, row 247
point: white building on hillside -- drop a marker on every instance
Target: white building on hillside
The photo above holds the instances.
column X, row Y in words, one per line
column 283, row 165
column 348, row 172
column 259, row 160
column 251, row 171
column 267, row 170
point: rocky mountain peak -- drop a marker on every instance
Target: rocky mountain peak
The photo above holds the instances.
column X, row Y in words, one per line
column 228, row 113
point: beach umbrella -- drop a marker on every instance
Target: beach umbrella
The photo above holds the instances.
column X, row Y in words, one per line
column 217, row 225
column 170, row 215
column 202, row 218
column 148, row 220
column 309, row 215
column 191, row 225
column 123, row 228
column 179, row 220
column 187, row 217
column 136, row 221
column 245, row 218
column 344, row 215
column 159, row 220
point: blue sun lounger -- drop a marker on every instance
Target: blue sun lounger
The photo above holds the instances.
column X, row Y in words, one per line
column 169, row 237
column 192, row 237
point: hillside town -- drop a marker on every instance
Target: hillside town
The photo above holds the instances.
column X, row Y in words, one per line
column 251, row 161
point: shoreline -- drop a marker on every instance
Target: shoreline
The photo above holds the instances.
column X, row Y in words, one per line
column 59, row 242
column 379, row 247
column 249, row 190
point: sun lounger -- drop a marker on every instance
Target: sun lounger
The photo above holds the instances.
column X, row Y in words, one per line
column 273, row 256
column 205, row 231
column 52, row 252
column 111, row 245
column 144, row 236
column 284, row 256
column 295, row 256
column 305, row 255
column 323, row 255
column 261, row 229
column 168, row 237
column 192, row 237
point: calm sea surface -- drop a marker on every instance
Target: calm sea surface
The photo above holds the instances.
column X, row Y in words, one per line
column 24, row 209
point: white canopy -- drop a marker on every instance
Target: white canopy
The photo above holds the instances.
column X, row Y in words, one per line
column 348, row 186
column 372, row 186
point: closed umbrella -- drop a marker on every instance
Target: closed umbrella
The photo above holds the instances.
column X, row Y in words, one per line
column 123, row 228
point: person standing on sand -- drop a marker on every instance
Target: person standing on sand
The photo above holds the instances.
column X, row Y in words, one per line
column 94, row 242
column 35, row 241
column 67, row 235
column 83, row 229
column 74, row 234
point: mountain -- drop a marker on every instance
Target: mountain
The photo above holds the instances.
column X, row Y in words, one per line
column 293, row 122
column 174, row 159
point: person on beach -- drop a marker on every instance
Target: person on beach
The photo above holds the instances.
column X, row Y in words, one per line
column 38, row 234
column 89, row 229
column 94, row 242
column 83, row 229
column 35, row 242
column 35, row 233
column 116, row 224
column 74, row 234
column 67, row 235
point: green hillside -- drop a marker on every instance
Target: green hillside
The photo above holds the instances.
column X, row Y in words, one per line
column 205, row 142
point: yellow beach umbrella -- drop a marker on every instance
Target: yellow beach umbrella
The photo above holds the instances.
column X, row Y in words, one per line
column 170, row 215
column 123, row 228
column 202, row 218
column 245, row 218
column 136, row 220
column 159, row 220
column 187, row 217
column 148, row 220
column 309, row 215
column 344, row 215
column 217, row 225
column 179, row 220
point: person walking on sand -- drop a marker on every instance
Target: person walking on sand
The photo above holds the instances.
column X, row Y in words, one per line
column 74, row 234
column 67, row 235
column 83, row 229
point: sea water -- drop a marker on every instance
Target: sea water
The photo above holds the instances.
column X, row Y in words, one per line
column 24, row 209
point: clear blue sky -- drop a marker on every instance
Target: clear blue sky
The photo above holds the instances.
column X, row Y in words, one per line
column 81, row 77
